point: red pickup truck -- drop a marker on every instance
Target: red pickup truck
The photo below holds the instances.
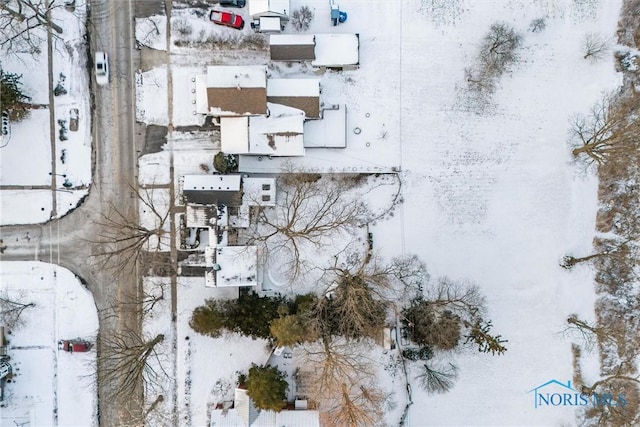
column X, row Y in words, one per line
column 74, row 346
column 227, row 18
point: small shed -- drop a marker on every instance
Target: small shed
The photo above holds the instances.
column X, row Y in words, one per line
column 303, row 94
column 269, row 15
column 292, row 47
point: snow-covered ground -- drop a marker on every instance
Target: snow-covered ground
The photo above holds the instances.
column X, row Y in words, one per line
column 490, row 195
column 49, row 386
column 26, row 160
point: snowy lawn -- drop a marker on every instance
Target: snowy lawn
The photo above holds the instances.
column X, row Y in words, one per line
column 496, row 198
column 27, row 158
column 206, row 367
column 49, row 386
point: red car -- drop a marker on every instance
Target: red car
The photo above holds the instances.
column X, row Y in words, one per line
column 227, row 18
column 74, row 346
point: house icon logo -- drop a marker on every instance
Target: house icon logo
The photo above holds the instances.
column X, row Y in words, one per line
column 555, row 393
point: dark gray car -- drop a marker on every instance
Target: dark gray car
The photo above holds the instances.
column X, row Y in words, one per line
column 233, row 3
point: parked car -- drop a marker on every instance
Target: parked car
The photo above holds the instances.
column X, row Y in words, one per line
column 74, row 346
column 5, row 369
column 227, row 18
column 73, row 119
column 102, row 68
column 5, row 126
column 233, row 3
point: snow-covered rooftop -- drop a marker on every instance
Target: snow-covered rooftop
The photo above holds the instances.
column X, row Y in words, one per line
column 236, row 266
column 259, row 191
column 329, row 132
column 293, row 87
column 212, row 182
column 269, row 7
column 232, row 76
column 291, row 39
column 336, row 50
column 202, row 101
column 234, row 135
column 245, row 414
column 279, row 134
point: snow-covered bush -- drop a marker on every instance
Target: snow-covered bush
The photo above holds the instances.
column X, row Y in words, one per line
column 629, row 61
column 182, row 27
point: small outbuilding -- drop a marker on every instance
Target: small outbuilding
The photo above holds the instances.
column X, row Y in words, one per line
column 269, row 16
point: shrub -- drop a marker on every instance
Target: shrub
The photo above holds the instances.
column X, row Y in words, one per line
column 301, row 18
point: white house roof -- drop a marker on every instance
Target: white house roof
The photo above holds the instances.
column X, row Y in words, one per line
column 269, row 24
column 245, row 414
column 269, row 7
column 202, row 102
column 234, row 135
column 291, row 39
column 278, row 134
column 259, row 191
column 237, row 266
column 329, row 132
column 244, row 406
column 293, row 87
column 246, row 76
column 335, row 50
column 211, row 182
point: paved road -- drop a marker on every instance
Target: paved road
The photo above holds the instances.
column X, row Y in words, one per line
column 67, row 241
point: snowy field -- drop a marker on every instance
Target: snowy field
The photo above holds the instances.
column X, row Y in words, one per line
column 26, row 159
column 49, row 386
column 491, row 193
column 497, row 199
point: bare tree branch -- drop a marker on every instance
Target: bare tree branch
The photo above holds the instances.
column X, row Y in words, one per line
column 610, row 128
column 11, row 310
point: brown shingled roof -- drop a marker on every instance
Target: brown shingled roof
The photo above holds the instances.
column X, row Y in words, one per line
column 309, row 104
column 238, row 100
column 287, row 52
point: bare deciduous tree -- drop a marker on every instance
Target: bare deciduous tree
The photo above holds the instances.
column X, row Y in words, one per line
column 342, row 381
column 23, row 24
column 11, row 310
column 606, row 248
column 537, row 25
column 499, row 48
column 498, row 52
column 125, row 360
column 596, row 47
column 151, row 295
column 122, row 240
column 310, row 211
column 437, row 379
column 610, row 128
